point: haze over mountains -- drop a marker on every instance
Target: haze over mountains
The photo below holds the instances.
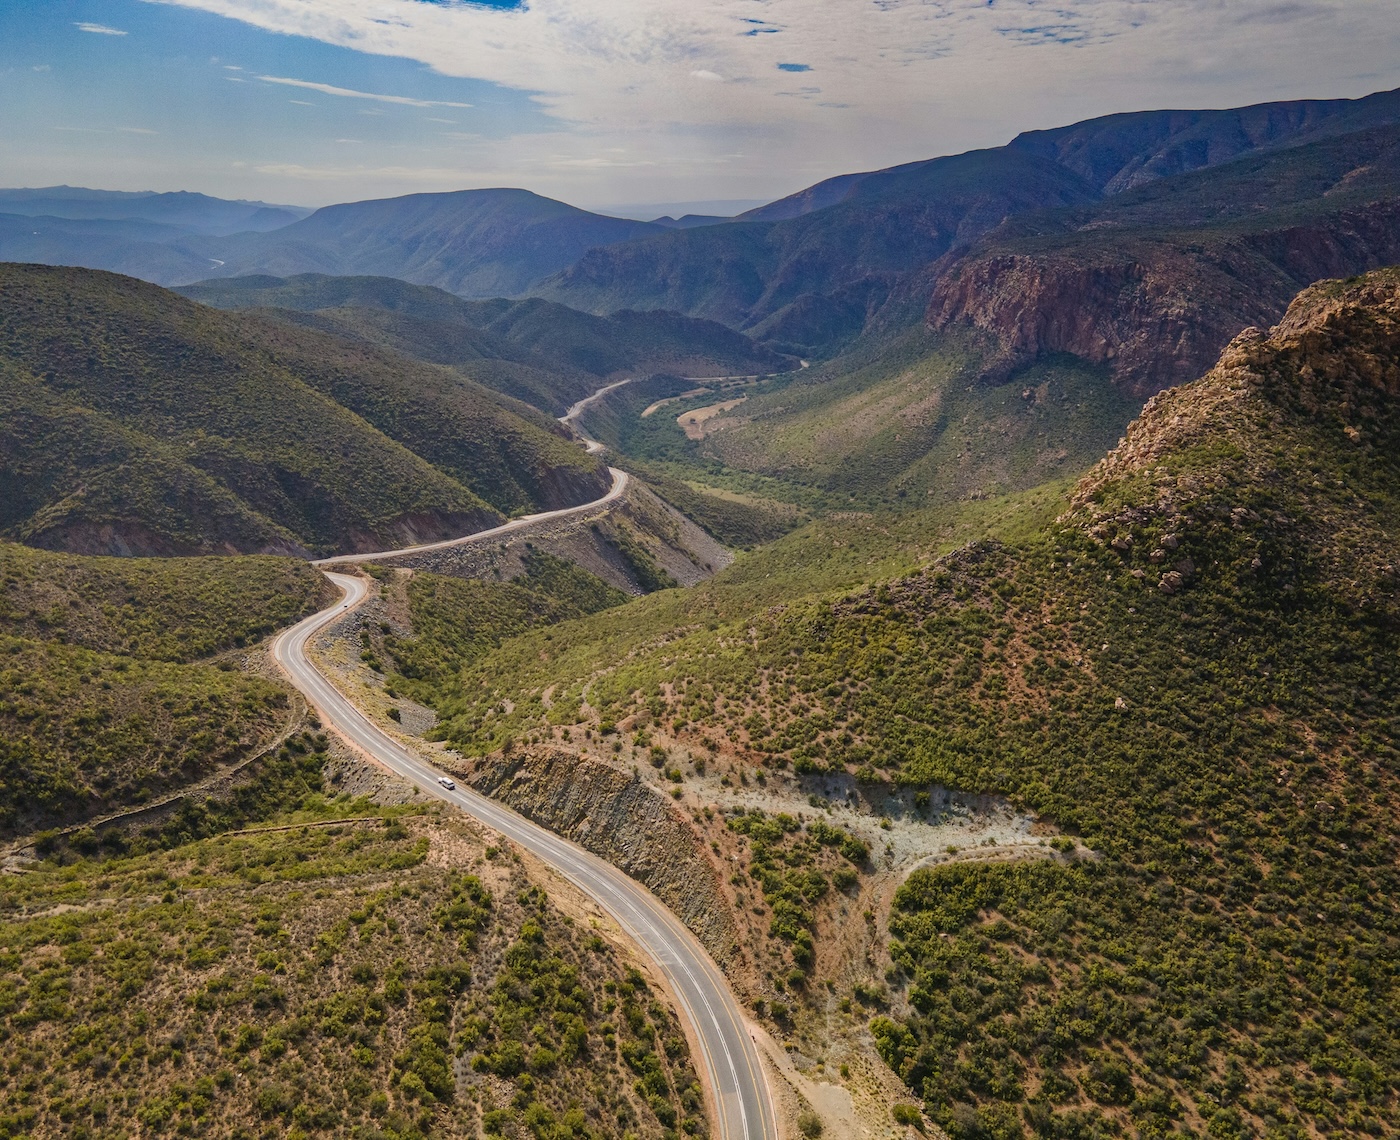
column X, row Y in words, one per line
column 812, row 271
column 197, row 213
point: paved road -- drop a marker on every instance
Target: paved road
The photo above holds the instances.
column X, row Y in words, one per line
column 728, row 1053
column 619, row 484
column 592, row 446
column 570, row 418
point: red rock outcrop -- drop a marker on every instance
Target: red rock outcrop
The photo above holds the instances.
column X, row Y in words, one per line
column 1159, row 312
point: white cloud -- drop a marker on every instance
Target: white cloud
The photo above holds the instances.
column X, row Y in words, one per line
column 348, row 93
column 41, row 67
column 98, row 29
column 900, row 79
column 137, row 131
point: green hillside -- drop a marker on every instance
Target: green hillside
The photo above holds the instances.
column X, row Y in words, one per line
column 457, row 620
column 909, row 420
column 1192, row 670
column 325, row 975
column 113, row 688
column 545, row 354
column 138, row 422
column 902, row 420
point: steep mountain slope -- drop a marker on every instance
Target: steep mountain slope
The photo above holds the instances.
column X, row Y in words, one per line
column 136, row 421
column 478, row 243
column 1192, row 671
column 111, row 688
column 1156, row 281
column 810, row 270
column 546, row 354
column 814, row 279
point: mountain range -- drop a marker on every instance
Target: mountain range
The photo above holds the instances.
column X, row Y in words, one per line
column 196, row 213
column 812, row 271
column 1027, row 764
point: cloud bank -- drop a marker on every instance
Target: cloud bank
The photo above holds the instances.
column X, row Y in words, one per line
column 711, row 81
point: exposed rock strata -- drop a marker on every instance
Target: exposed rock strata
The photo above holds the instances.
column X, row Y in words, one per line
column 1158, row 312
column 618, row 817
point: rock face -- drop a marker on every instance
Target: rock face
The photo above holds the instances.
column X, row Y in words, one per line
column 1333, row 360
column 618, row 817
column 1325, row 383
column 1158, row 312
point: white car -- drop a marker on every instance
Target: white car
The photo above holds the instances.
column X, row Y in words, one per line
column 450, row 785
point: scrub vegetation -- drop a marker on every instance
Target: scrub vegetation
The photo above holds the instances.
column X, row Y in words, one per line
column 1191, row 671
column 349, row 971
column 457, row 620
column 134, row 421
column 116, row 680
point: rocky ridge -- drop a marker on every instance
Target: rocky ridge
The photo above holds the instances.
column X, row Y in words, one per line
column 1157, row 311
column 1323, row 380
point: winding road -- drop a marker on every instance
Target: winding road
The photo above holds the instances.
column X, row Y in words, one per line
column 741, row 1100
column 619, row 484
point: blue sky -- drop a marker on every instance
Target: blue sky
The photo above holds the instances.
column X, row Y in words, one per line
column 606, row 101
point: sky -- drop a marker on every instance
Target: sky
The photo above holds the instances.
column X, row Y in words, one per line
column 610, row 102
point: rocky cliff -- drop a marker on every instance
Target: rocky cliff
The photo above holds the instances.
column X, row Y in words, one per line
column 1158, row 311
column 1321, row 385
column 617, row 816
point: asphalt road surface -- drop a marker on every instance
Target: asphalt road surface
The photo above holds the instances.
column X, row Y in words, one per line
column 570, row 418
column 619, row 484
column 741, row 1100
